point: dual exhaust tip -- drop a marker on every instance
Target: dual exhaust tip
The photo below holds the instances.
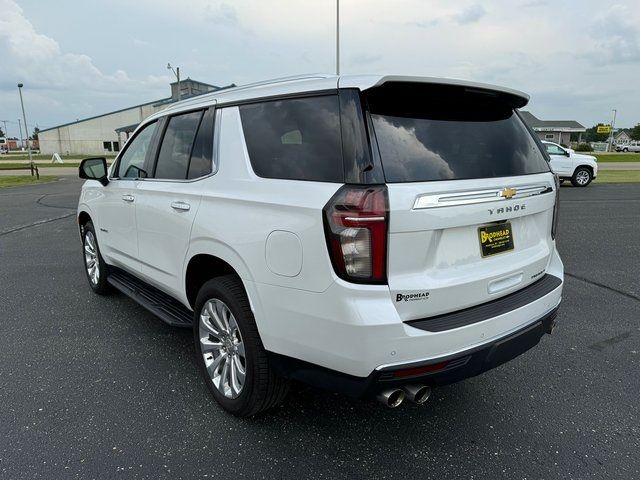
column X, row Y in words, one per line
column 394, row 397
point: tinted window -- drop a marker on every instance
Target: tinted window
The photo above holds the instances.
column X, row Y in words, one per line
column 132, row 159
column 553, row 149
column 442, row 134
column 295, row 139
column 173, row 159
column 202, row 155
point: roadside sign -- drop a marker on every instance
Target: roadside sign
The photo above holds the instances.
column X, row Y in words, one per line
column 603, row 129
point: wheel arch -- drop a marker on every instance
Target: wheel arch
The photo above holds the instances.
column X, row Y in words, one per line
column 82, row 218
column 207, row 260
column 584, row 165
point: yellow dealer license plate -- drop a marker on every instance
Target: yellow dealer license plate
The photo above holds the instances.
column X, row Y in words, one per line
column 496, row 238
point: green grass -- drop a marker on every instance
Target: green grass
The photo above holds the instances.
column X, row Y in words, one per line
column 19, row 180
column 615, row 157
column 618, row 176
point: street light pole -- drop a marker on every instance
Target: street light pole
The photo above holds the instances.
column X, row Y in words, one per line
column 337, row 37
column 26, row 129
column 176, row 72
column 20, row 128
column 613, row 124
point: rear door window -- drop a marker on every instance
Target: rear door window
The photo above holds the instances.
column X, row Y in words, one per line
column 426, row 134
column 297, row 139
column 175, row 151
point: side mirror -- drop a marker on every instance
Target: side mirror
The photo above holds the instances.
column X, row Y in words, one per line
column 567, row 153
column 94, row 169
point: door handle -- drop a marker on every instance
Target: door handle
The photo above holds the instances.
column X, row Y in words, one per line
column 181, row 206
column 128, row 198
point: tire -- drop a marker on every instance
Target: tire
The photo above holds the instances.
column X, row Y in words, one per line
column 625, row 150
column 261, row 388
column 581, row 177
column 92, row 258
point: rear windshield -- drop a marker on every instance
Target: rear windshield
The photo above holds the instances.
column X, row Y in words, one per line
column 447, row 133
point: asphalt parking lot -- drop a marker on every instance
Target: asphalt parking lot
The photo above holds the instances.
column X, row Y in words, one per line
column 94, row 387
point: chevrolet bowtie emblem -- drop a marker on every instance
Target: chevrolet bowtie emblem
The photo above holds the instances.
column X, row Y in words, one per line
column 508, row 193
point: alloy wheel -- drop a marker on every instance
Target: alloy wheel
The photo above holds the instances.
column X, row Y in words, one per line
column 91, row 257
column 222, row 348
column 582, row 177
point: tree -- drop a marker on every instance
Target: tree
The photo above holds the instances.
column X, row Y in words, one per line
column 34, row 136
column 592, row 134
column 1, row 133
column 635, row 132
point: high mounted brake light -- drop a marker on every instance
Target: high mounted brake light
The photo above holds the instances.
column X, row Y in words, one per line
column 356, row 221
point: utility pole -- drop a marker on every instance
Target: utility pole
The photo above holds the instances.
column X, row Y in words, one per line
column 5, row 128
column 176, row 72
column 26, row 129
column 20, row 127
column 613, row 124
column 337, row 37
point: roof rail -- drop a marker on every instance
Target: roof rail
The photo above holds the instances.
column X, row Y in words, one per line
column 273, row 81
column 290, row 78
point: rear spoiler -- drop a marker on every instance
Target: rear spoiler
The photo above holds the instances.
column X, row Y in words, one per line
column 515, row 98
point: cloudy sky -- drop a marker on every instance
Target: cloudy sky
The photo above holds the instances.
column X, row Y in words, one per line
column 577, row 59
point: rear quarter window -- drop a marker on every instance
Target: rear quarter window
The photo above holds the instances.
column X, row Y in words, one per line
column 296, row 139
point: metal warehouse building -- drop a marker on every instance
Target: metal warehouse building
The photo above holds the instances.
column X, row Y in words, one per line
column 104, row 134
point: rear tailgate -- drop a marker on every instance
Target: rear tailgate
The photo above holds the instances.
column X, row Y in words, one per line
column 436, row 263
column 471, row 195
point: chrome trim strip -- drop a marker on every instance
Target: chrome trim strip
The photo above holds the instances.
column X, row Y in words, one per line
column 436, row 200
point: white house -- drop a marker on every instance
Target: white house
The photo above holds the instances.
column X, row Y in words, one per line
column 622, row 138
column 558, row 131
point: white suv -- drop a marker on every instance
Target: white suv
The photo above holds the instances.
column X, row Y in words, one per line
column 372, row 235
column 581, row 169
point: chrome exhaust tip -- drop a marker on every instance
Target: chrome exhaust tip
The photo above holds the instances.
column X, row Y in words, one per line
column 392, row 398
column 417, row 393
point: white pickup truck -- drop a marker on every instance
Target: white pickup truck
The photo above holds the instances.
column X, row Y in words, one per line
column 628, row 148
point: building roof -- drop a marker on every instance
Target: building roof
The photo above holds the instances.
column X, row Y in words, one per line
column 622, row 133
column 551, row 125
column 105, row 114
column 155, row 103
column 189, row 79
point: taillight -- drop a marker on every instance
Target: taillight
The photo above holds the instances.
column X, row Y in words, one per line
column 556, row 207
column 356, row 221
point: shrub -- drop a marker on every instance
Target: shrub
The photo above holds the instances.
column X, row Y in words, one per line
column 584, row 147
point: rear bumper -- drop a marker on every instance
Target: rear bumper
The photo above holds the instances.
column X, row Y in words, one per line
column 356, row 329
column 435, row 372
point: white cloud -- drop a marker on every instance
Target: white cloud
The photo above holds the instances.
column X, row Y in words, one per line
column 470, row 14
column 561, row 53
column 46, row 70
column 618, row 36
